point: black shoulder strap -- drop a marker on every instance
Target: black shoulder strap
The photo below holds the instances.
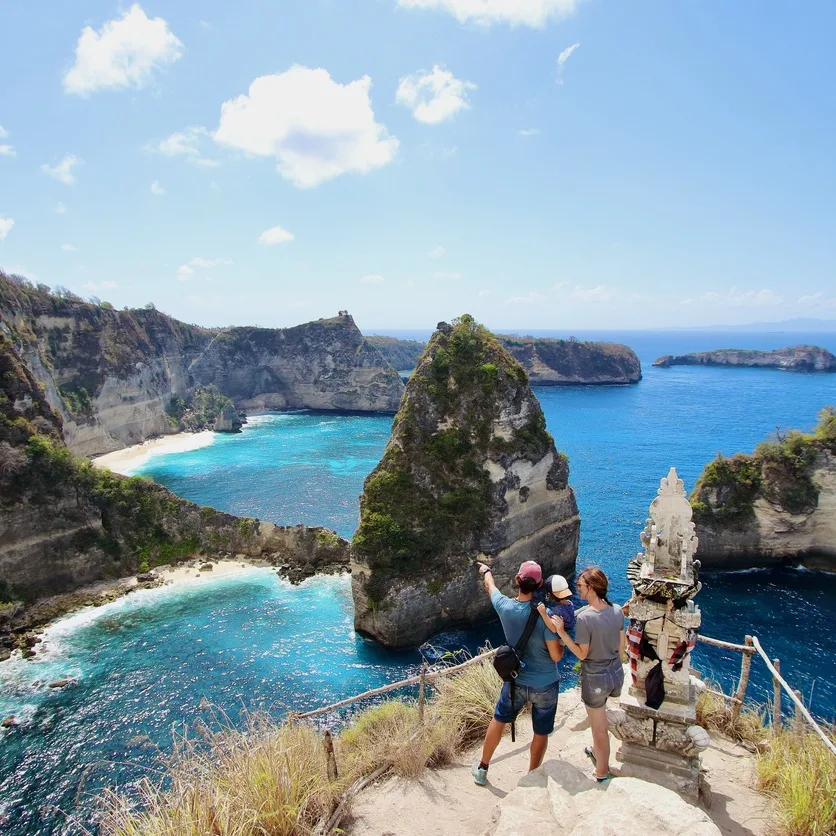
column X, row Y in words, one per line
column 529, row 629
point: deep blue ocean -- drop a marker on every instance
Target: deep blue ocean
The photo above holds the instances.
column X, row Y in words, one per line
column 149, row 663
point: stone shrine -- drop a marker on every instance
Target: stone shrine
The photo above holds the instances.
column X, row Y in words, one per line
column 656, row 721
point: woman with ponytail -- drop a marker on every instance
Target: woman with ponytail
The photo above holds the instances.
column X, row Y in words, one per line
column 599, row 643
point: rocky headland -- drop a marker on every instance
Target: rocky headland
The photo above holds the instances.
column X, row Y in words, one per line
column 401, row 354
column 801, row 358
column 65, row 525
column 572, row 362
column 114, row 376
column 548, row 362
column 777, row 505
column 469, row 472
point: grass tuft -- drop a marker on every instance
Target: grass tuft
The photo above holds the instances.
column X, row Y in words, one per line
column 799, row 772
column 465, row 702
column 715, row 713
column 269, row 779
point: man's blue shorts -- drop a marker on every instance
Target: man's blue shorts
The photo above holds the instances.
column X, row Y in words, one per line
column 543, row 705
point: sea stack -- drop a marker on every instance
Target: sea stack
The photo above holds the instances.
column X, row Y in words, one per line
column 470, row 473
column 777, row 505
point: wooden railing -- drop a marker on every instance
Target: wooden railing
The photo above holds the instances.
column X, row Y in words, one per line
column 747, row 650
column 779, row 684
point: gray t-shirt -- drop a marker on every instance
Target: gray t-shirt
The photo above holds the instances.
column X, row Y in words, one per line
column 600, row 629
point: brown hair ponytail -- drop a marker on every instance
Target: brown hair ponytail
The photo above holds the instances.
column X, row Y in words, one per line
column 597, row 581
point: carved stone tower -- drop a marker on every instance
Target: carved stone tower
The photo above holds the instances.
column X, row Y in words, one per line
column 657, row 721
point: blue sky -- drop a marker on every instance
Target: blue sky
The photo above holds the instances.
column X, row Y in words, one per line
column 537, row 163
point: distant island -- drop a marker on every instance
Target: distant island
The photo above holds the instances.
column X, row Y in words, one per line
column 549, row 362
column 801, row 358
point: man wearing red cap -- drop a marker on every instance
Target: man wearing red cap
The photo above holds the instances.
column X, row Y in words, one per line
column 537, row 682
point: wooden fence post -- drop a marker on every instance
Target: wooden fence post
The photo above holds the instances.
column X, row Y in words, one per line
column 422, row 698
column 330, row 757
column 798, row 717
column 740, row 693
column 776, row 698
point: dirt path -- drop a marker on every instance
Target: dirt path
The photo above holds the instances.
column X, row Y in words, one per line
column 446, row 802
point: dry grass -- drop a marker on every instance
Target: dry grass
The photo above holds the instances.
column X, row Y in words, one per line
column 391, row 733
column 799, row 772
column 465, row 702
column 715, row 713
column 271, row 779
column 267, row 781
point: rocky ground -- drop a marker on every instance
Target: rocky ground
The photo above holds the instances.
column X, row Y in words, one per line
column 446, row 802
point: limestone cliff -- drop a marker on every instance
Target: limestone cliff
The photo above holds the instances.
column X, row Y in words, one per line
column 64, row 524
column 774, row 506
column 564, row 362
column 320, row 365
column 401, row 354
column 548, row 362
column 801, row 358
column 112, row 375
column 469, row 472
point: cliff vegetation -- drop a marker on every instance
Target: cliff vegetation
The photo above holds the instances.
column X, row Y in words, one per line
column 779, row 471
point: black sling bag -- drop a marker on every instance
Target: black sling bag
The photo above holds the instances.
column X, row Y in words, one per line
column 508, row 660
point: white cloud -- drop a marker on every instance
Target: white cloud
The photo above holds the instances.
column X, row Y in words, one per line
column 534, row 13
column 434, row 96
column 736, row 298
column 157, row 189
column 529, row 132
column 197, row 261
column 100, row 286
column 186, row 144
column 818, row 300
column 60, row 208
column 592, row 294
column 562, row 59
column 6, row 150
column 6, row 225
column 559, row 285
column 532, row 298
column 436, row 252
column 372, row 278
column 186, row 271
column 315, row 127
column 275, row 235
column 69, row 248
column 63, row 171
column 125, row 52
column 484, row 293
column 443, row 274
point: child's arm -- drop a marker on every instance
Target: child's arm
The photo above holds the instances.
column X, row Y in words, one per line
column 541, row 608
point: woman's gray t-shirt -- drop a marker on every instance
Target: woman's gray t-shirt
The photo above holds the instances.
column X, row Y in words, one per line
column 600, row 629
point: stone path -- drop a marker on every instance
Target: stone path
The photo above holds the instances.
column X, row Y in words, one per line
column 446, row 802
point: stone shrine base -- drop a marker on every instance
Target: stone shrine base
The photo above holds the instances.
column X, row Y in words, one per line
column 653, row 742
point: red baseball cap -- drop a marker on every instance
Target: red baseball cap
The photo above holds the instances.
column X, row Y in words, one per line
column 532, row 570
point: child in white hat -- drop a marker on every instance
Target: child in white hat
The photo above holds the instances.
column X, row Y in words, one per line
column 558, row 602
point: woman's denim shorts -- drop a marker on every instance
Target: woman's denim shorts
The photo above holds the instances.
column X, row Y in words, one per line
column 596, row 687
column 543, row 705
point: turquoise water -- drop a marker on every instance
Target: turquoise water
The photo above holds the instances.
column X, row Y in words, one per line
column 145, row 663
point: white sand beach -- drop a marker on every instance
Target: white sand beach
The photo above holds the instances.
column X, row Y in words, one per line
column 128, row 460
column 191, row 571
